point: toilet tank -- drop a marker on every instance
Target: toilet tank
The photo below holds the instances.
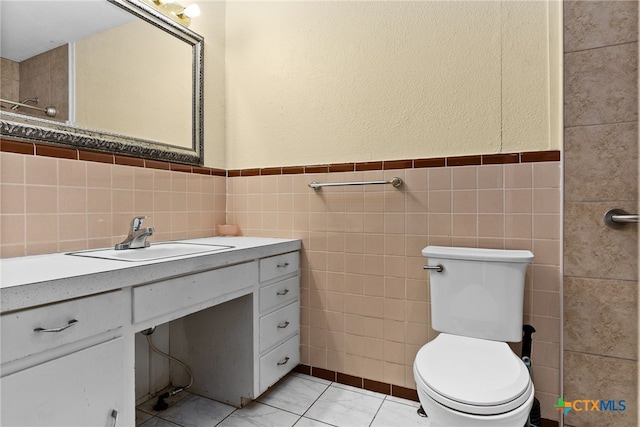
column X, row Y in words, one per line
column 479, row 293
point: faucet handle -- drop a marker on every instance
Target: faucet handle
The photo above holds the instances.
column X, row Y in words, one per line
column 136, row 222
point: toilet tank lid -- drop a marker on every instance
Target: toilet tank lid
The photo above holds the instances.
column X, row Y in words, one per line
column 477, row 254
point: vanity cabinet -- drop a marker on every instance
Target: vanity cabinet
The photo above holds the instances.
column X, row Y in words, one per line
column 68, row 342
column 63, row 363
column 279, row 323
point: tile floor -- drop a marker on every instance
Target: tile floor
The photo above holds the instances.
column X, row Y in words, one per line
column 297, row 400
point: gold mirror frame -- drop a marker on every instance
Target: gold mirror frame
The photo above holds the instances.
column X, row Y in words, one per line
column 31, row 129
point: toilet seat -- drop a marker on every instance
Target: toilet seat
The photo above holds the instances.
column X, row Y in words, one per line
column 472, row 375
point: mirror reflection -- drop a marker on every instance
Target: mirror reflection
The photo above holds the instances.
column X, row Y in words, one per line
column 116, row 72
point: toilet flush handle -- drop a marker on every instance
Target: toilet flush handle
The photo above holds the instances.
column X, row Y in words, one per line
column 439, row 268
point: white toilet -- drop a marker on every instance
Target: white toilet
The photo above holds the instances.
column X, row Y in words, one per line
column 468, row 375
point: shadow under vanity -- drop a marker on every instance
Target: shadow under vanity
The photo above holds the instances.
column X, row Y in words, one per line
column 72, row 349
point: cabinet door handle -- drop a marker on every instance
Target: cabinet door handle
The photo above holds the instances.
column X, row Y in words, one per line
column 283, row 325
column 114, row 415
column 59, row 328
column 283, row 361
column 282, row 293
column 285, row 265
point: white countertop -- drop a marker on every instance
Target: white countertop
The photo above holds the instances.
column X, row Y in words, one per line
column 42, row 279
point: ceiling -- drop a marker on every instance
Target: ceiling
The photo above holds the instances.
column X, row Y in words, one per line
column 30, row 27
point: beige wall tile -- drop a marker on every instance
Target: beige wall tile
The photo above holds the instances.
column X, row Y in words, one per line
column 98, row 175
column 41, row 170
column 12, row 199
column 13, row 230
column 594, row 250
column 518, row 175
column 588, row 376
column 12, row 168
column 465, row 177
column 41, row 199
column 72, row 173
column 601, row 85
column 603, row 162
column 601, row 317
column 592, row 24
column 72, row 200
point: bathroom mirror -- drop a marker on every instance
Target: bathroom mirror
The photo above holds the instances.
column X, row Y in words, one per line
column 135, row 88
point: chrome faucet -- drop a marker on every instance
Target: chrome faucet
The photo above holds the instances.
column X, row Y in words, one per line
column 137, row 237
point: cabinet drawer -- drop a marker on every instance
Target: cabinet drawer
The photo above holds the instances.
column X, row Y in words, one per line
column 22, row 331
column 279, row 293
column 277, row 326
column 278, row 362
column 279, row 265
column 183, row 295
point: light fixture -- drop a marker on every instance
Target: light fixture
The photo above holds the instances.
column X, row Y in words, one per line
column 175, row 11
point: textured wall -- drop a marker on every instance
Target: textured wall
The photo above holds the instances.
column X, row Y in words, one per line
column 601, row 173
column 327, row 82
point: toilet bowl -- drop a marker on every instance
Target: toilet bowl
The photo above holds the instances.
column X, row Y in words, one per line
column 464, row 381
column 469, row 376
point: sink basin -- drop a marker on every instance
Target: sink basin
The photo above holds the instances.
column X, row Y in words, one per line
column 153, row 252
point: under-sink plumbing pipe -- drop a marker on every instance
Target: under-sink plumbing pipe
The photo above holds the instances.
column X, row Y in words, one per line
column 161, row 405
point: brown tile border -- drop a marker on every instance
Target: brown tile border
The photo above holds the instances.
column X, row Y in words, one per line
column 129, row 161
column 369, row 166
column 464, row 161
column 397, row 164
column 376, row 386
column 176, row 167
column 271, row 171
column 92, row 156
column 325, row 374
column 500, row 159
column 436, row 162
column 17, row 147
column 58, row 152
column 541, row 156
column 28, row 148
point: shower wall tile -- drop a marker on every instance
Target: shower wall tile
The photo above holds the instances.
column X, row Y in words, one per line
column 592, row 249
column 601, row 85
column 601, row 317
column 602, row 164
column 592, row 24
column 593, row 377
column 601, row 155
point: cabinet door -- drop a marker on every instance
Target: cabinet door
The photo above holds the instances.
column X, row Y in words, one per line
column 81, row 389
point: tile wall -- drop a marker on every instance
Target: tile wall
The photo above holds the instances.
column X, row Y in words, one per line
column 365, row 299
column 601, row 172
column 52, row 202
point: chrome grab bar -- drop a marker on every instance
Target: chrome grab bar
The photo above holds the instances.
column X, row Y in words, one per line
column 618, row 218
column 395, row 181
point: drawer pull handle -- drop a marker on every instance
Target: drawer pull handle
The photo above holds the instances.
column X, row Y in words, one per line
column 282, row 293
column 285, row 265
column 283, row 361
column 58, row 329
column 283, row 325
